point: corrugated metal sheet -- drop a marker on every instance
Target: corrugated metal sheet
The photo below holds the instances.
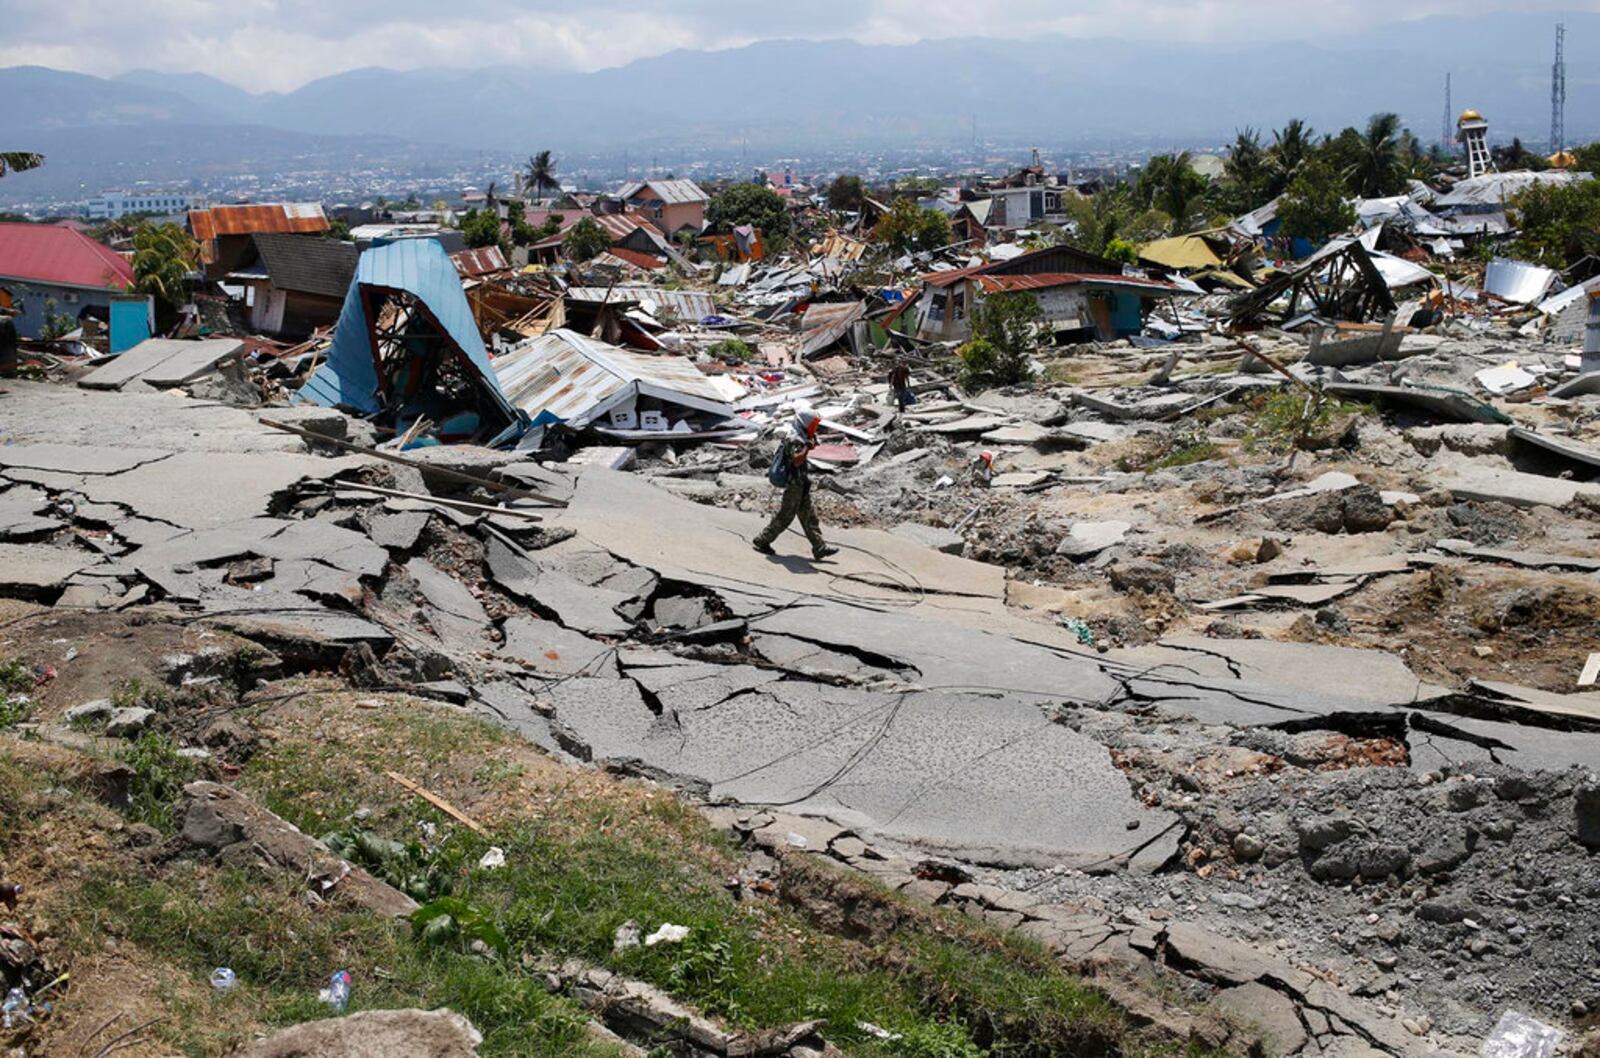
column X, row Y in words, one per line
column 419, row 267
column 485, row 260
column 671, row 192
column 691, row 305
column 301, row 217
column 46, row 253
column 1517, row 281
column 567, row 376
column 1047, row 280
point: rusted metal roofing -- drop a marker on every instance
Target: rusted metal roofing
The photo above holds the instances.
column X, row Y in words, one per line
column 1047, row 280
column 483, row 261
column 290, row 217
column 637, row 259
column 576, row 379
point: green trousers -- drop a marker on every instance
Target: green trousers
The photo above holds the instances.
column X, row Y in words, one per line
column 796, row 503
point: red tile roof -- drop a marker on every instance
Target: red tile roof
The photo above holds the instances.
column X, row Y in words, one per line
column 45, row 253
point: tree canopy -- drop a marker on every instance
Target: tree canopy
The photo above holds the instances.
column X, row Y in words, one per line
column 585, row 240
column 910, row 227
column 751, row 204
column 847, row 193
column 1314, row 205
column 481, row 227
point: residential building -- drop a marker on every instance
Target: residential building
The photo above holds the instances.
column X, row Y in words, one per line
column 1082, row 295
column 113, row 205
column 49, row 272
column 225, row 232
column 671, row 205
column 296, row 283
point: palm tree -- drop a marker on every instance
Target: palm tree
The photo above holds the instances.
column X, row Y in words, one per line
column 542, row 172
column 163, row 257
column 1291, row 145
column 1377, row 169
column 19, row 161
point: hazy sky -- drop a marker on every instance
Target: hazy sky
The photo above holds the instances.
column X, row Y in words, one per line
column 281, row 44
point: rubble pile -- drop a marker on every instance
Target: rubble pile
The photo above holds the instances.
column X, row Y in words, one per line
column 1242, row 641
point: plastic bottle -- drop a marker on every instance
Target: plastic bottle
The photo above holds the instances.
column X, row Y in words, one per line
column 337, row 994
column 223, row 979
column 14, row 1010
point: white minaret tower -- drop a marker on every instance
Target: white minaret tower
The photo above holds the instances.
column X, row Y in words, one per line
column 1472, row 131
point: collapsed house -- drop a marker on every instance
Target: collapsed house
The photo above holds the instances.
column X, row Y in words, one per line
column 407, row 348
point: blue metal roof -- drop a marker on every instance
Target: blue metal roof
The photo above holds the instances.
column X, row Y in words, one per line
column 419, row 267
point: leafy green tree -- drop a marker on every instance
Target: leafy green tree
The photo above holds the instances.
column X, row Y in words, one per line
column 1005, row 334
column 1314, row 206
column 1516, row 156
column 750, row 204
column 522, row 233
column 1096, row 221
column 1558, row 225
column 908, row 227
column 541, row 173
column 1588, row 157
column 338, row 230
column 19, row 161
column 163, row 257
column 847, row 194
column 1291, row 146
column 481, row 227
column 1377, row 171
column 1121, row 250
column 586, row 240
column 1170, row 184
column 1247, row 174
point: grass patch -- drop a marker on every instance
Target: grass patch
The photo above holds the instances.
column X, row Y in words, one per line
column 159, row 775
column 1290, row 417
column 284, row 951
column 1182, row 456
column 16, row 680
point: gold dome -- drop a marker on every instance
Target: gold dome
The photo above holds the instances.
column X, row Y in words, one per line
column 1469, row 115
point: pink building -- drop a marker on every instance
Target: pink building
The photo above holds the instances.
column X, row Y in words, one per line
column 671, row 205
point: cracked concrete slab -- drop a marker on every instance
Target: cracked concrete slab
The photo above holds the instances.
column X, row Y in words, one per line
column 675, row 537
column 162, row 362
column 579, row 606
column 398, row 530
column 200, row 489
column 547, row 647
column 975, row 776
column 31, row 569
column 454, row 613
column 77, row 459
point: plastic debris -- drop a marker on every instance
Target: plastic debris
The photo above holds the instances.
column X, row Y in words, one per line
column 1076, row 626
column 223, row 979
column 796, row 840
column 667, row 934
column 628, row 935
column 1519, row 1036
column 494, row 859
column 877, row 1031
column 337, row 994
column 14, row 1010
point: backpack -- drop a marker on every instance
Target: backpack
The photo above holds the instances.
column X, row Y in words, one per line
column 778, row 473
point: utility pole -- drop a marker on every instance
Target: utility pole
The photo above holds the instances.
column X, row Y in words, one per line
column 1558, row 93
column 1447, row 135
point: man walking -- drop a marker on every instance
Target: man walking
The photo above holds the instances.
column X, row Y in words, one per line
column 900, row 385
column 790, row 465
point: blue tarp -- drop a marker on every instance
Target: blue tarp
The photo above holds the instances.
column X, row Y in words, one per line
column 419, row 267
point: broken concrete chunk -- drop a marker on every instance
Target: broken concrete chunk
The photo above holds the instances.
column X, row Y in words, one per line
column 1091, row 538
column 226, row 824
column 1269, row 1010
column 373, row 1034
column 951, row 543
column 93, row 712
column 129, row 721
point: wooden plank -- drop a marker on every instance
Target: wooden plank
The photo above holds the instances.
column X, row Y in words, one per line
column 438, row 802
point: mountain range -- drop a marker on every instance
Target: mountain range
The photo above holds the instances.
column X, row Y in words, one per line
column 795, row 95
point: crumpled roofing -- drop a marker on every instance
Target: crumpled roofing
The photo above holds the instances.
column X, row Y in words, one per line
column 419, row 267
